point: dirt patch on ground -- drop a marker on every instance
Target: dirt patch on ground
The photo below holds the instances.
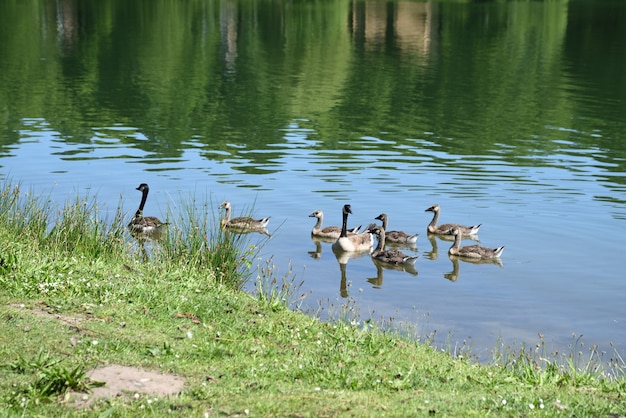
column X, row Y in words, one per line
column 119, row 381
column 129, row 381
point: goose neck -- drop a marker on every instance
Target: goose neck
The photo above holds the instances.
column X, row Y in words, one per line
column 344, row 225
column 144, row 197
column 433, row 222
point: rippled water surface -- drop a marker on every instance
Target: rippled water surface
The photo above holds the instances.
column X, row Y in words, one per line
column 509, row 115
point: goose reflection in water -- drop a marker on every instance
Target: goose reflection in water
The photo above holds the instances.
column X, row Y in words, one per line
column 241, row 231
column 317, row 253
column 453, row 275
column 342, row 258
column 151, row 239
column 377, row 282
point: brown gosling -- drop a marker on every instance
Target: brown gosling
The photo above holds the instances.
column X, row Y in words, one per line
column 242, row 222
column 446, row 229
column 329, row 232
column 395, row 257
column 476, row 252
column 396, row 237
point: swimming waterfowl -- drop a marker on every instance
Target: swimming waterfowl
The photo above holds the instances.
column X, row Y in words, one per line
column 145, row 225
column 396, row 237
column 446, row 229
column 352, row 243
column 388, row 256
column 330, row 232
column 476, row 252
column 242, row 222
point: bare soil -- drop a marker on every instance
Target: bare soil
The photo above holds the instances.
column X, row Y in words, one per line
column 124, row 381
column 119, row 381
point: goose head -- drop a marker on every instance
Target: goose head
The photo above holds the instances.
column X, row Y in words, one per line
column 434, row 208
column 382, row 217
column 225, row 205
column 347, row 209
column 143, row 187
column 316, row 214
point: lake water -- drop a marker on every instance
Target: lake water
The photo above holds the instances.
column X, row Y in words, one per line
column 506, row 114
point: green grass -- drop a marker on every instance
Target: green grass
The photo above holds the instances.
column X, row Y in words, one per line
column 78, row 293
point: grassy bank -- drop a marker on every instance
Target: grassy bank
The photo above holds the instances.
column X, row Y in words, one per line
column 78, row 293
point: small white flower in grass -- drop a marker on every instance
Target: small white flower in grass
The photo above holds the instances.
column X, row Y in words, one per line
column 531, row 406
column 94, row 342
column 317, row 389
column 503, row 401
column 246, row 411
column 136, row 396
column 189, row 334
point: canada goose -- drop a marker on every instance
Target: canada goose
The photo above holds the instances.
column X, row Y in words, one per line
column 472, row 251
column 446, row 229
column 388, row 256
column 352, row 243
column 396, row 237
column 242, row 222
column 329, row 232
column 144, row 225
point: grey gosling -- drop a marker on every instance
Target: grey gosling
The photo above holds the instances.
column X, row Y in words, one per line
column 352, row 243
column 144, row 225
column 330, row 232
column 396, row 237
column 242, row 222
column 446, row 229
column 476, row 252
column 396, row 257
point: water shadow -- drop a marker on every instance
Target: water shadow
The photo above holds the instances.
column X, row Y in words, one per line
column 377, row 282
column 342, row 258
column 242, row 231
column 453, row 275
